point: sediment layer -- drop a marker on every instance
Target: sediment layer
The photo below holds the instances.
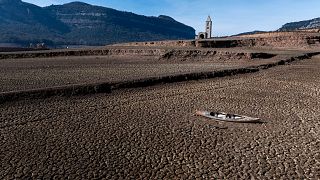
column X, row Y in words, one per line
column 108, row 87
column 270, row 40
column 162, row 53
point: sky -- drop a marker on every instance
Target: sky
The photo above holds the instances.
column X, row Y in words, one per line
column 229, row 16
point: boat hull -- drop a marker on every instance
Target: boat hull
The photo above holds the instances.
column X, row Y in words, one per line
column 227, row 117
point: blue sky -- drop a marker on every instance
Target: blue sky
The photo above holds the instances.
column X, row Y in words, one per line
column 229, row 16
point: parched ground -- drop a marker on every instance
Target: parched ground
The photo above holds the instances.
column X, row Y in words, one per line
column 153, row 133
column 25, row 74
column 18, row 74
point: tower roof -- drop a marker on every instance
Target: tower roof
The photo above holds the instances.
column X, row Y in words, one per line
column 209, row 18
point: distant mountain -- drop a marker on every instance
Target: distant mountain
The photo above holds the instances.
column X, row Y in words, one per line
column 250, row 33
column 79, row 23
column 308, row 24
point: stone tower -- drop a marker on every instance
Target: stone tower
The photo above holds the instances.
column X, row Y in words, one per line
column 209, row 28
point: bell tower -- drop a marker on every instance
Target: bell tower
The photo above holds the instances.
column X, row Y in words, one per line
column 207, row 34
column 209, row 28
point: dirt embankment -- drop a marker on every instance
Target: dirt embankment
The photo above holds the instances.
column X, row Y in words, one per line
column 84, row 52
column 283, row 40
column 157, row 53
column 108, row 87
column 201, row 55
column 179, row 43
column 270, row 40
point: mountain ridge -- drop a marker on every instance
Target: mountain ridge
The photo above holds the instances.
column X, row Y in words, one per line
column 79, row 23
column 301, row 25
column 312, row 25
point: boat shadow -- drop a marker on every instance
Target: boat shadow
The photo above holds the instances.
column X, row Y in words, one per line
column 257, row 122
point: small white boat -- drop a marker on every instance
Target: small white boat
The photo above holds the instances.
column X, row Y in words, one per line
column 220, row 116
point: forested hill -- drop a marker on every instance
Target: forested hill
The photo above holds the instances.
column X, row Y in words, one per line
column 79, row 23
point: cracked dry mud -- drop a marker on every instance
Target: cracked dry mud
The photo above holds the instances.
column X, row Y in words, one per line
column 20, row 74
column 149, row 133
column 26, row 74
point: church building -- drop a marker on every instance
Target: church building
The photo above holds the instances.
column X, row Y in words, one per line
column 208, row 32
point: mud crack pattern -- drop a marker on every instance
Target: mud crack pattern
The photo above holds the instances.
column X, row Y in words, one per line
column 151, row 133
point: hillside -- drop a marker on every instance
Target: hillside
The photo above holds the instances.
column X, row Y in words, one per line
column 301, row 25
column 22, row 23
column 250, row 33
column 82, row 24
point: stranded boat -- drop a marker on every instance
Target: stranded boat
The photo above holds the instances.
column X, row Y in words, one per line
column 219, row 116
